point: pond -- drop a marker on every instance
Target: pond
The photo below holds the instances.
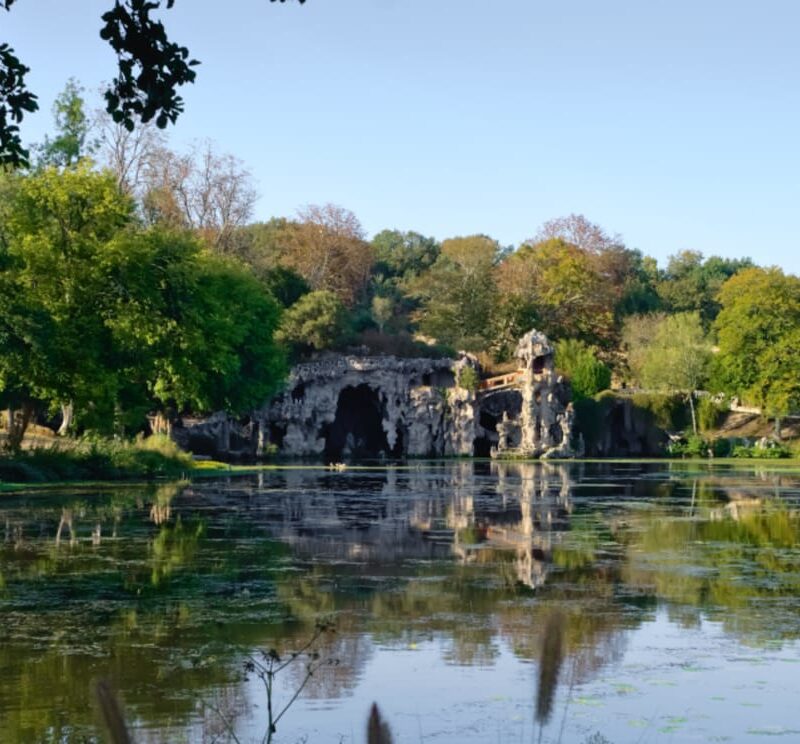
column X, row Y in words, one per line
column 473, row 601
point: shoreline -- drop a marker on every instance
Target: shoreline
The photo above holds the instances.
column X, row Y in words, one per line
column 214, row 469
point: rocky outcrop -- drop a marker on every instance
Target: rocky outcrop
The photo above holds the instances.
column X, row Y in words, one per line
column 347, row 406
column 340, row 407
column 545, row 422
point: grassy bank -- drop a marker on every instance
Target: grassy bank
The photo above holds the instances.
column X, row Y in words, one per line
column 96, row 460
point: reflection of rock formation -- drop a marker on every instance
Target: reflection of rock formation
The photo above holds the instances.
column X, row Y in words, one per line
column 534, row 505
column 504, row 511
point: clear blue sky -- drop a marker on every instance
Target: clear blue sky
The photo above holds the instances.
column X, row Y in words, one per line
column 673, row 122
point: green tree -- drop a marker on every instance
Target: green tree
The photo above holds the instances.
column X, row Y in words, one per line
column 117, row 320
column 400, row 257
column 55, row 224
column 382, row 309
column 675, row 358
column 586, row 373
column 756, row 327
column 191, row 331
column 319, row 320
column 457, row 294
column 692, row 283
column 70, row 144
column 553, row 286
column 403, row 255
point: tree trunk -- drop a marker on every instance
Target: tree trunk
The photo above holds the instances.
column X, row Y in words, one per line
column 777, row 427
column 67, row 417
column 18, row 421
column 161, row 424
column 691, row 408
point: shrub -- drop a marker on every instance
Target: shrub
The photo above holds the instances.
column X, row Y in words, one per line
column 586, row 373
column 468, row 379
column 721, row 447
column 97, row 459
column 668, row 411
column 693, row 446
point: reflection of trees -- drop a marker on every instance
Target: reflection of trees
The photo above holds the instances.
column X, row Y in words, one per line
column 476, row 556
column 734, row 561
column 159, row 611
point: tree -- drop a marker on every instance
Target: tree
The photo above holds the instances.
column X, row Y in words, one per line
column 319, row 320
column 399, row 258
column 576, row 230
column 382, row 309
column 54, row 225
column 555, row 287
column 327, row 248
column 756, row 327
column 675, row 358
column 72, row 130
column 457, row 294
column 150, row 70
column 403, row 255
column 586, row 373
column 127, row 153
column 117, row 320
column 692, row 283
column 201, row 190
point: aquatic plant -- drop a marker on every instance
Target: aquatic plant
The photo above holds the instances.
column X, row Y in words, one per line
column 269, row 664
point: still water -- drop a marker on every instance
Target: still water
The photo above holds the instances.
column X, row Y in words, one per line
column 474, row 601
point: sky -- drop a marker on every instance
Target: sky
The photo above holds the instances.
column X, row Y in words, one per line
column 674, row 123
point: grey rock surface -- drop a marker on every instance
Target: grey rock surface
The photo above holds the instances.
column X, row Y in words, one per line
column 343, row 406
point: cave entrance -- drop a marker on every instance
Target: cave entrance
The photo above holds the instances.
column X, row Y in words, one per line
column 357, row 431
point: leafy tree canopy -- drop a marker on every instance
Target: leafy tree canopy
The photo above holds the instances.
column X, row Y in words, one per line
column 756, row 329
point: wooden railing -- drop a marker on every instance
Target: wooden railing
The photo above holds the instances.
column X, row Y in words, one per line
column 512, row 379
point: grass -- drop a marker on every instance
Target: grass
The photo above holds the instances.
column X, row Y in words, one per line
column 96, row 460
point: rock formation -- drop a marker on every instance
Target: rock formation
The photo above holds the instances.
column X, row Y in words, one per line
column 347, row 406
column 340, row 407
column 544, row 425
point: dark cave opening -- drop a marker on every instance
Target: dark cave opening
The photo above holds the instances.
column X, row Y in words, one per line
column 482, row 446
column 357, row 431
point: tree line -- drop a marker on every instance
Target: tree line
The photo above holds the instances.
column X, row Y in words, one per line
column 133, row 282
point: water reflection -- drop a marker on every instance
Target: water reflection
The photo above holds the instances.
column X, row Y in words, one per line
column 165, row 590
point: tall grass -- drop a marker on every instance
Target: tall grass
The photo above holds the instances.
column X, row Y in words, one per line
column 96, row 459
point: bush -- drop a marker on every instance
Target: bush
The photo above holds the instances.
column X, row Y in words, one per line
column 721, row 447
column 586, row 373
column 97, row 459
column 761, row 453
column 668, row 411
column 693, row 446
column 468, row 379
